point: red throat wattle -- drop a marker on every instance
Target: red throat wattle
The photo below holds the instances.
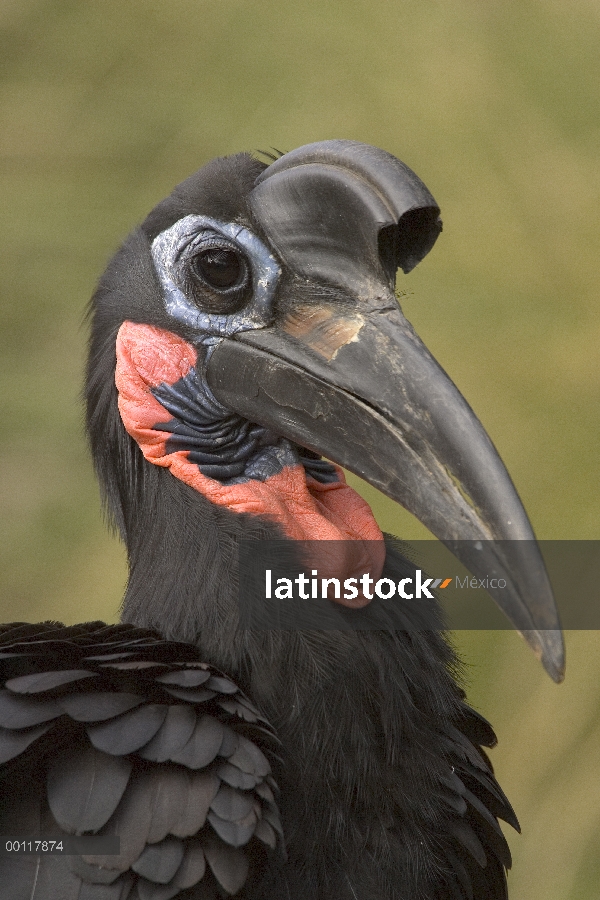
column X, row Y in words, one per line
column 304, row 508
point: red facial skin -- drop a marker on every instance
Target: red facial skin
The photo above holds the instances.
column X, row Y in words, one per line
column 304, row 509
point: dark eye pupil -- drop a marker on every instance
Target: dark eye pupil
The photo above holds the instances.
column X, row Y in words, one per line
column 219, row 267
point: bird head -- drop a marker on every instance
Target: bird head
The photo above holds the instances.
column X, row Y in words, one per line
column 247, row 343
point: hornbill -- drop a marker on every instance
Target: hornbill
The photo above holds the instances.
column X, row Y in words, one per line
column 246, row 343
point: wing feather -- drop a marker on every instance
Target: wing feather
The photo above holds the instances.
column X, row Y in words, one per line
column 111, row 730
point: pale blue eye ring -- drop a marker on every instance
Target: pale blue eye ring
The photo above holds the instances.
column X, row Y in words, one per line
column 172, row 251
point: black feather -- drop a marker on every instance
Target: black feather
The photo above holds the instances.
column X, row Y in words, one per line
column 172, row 736
column 159, row 862
column 232, row 805
column 266, row 833
column 92, row 874
column 250, row 759
column 85, row 787
column 203, row 787
column 18, row 876
column 192, row 868
column 148, row 890
column 203, row 744
column 46, row 681
column 95, row 707
column 187, row 678
column 128, row 732
column 168, row 789
column 468, row 839
column 229, row 743
column 236, row 834
column 56, row 881
column 21, row 712
column 191, row 696
column 13, row 743
column 236, row 778
column 228, row 865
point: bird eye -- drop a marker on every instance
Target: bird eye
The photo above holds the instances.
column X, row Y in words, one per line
column 221, row 268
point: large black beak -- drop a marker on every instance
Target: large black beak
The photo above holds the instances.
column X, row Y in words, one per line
column 342, row 372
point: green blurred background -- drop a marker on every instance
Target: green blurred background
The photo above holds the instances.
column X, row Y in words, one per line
column 105, row 106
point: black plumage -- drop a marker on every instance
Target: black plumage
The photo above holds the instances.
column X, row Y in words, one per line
column 145, row 730
column 134, row 736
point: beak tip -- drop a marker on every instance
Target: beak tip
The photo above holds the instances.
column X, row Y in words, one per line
column 553, row 658
column 555, row 669
column 549, row 647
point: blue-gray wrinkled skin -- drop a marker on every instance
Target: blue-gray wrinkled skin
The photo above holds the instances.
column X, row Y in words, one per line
column 222, row 444
column 172, row 251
